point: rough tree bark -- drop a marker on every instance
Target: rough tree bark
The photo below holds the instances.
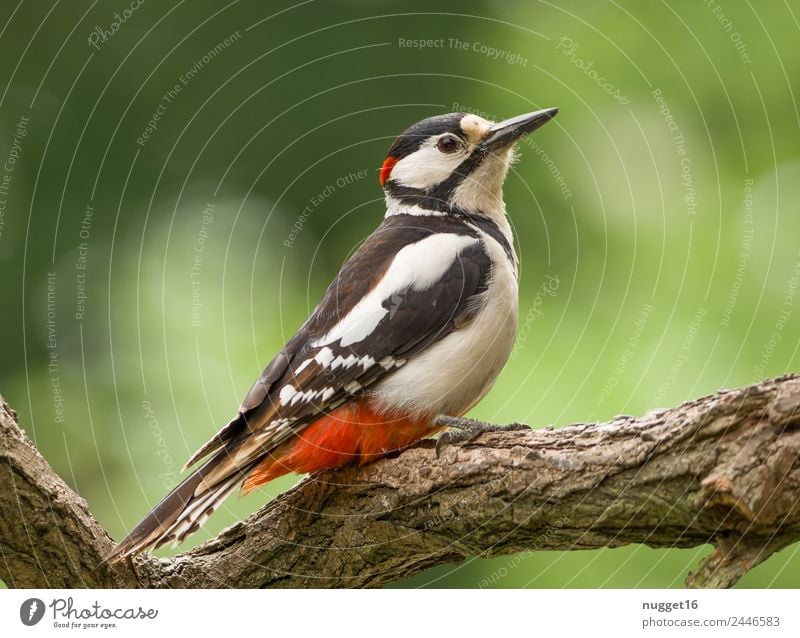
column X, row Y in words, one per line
column 722, row 469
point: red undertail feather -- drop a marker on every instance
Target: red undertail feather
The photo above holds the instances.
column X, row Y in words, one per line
column 353, row 434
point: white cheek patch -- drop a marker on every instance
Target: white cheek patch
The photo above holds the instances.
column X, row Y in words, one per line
column 475, row 128
column 426, row 167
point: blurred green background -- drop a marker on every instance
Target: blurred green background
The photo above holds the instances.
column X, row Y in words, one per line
column 146, row 281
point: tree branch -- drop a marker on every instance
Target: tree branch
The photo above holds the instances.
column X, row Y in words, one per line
column 722, row 469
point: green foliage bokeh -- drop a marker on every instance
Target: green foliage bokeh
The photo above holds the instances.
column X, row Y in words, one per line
column 146, row 282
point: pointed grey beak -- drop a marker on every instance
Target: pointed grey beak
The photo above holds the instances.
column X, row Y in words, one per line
column 505, row 133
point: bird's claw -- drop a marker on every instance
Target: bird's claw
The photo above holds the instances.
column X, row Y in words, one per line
column 467, row 430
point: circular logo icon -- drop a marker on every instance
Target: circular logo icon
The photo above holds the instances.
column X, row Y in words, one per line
column 31, row 611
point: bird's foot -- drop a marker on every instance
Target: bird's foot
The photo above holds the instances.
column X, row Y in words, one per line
column 467, row 430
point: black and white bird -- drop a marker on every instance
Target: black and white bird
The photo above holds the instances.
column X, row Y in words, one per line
column 412, row 332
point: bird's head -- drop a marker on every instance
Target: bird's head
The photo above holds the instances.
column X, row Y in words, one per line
column 456, row 161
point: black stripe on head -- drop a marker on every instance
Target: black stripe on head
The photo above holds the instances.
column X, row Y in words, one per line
column 437, row 198
column 412, row 138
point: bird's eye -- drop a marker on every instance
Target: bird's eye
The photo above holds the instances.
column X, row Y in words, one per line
column 447, row 144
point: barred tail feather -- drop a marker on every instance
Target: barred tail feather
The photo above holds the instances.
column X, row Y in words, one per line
column 184, row 510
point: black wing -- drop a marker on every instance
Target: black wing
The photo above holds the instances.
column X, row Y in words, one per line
column 312, row 375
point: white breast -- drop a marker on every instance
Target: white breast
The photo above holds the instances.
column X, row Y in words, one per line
column 455, row 373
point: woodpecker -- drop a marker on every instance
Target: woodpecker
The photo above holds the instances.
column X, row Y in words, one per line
column 408, row 337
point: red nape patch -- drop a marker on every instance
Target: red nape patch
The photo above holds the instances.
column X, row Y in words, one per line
column 386, row 169
column 352, row 434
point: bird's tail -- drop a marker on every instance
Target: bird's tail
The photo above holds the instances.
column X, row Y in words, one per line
column 185, row 508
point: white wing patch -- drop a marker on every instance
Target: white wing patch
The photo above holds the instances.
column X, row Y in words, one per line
column 326, row 359
column 272, row 427
column 323, row 394
column 287, row 392
column 366, row 362
column 291, row 396
column 323, row 358
column 417, row 266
